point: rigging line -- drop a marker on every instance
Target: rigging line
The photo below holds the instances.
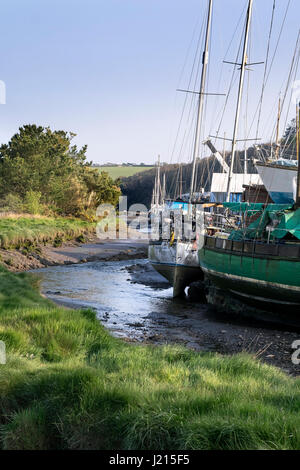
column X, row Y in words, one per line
column 187, row 132
column 284, row 81
column 273, row 58
column 186, row 136
column 287, row 145
column 279, row 37
column 189, row 83
column 288, row 139
column 235, row 31
column 196, row 79
column 232, row 80
column 190, row 119
column 265, row 68
column 215, row 108
column 209, row 67
column 293, row 67
column 266, row 129
column 230, row 86
column 183, row 69
column 188, row 52
column 295, row 70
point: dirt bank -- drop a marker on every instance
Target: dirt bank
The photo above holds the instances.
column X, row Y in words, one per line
column 73, row 253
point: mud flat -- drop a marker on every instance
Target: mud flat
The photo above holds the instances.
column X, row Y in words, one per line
column 73, row 253
column 135, row 303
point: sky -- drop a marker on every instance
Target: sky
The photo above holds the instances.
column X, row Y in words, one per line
column 108, row 71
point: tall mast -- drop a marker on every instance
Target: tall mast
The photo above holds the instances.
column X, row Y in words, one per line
column 163, row 197
column 298, row 155
column 180, row 181
column 277, row 130
column 153, row 198
column 158, row 183
column 239, row 100
column 154, row 189
column 201, row 99
column 245, row 161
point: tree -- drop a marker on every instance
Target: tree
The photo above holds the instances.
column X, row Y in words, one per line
column 45, row 161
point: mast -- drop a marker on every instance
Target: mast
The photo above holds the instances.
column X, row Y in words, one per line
column 158, row 188
column 277, row 130
column 238, row 106
column 201, row 99
column 154, row 189
column 224, row 154
column 298, row 155
column 164, row 189
column 245, row 161
column 180, row 181
column 152, row 199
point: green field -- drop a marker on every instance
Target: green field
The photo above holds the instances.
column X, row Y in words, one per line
column 68, row 384
column 124, row 171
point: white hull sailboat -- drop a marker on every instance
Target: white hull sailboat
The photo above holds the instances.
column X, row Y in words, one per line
column 177, row 262
column 176, row 259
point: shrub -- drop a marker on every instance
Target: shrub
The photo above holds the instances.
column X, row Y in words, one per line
column 11, row 203
column 32, row 202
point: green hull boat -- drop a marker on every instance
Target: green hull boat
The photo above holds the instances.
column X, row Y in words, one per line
column 260, row 267
column 259, row 273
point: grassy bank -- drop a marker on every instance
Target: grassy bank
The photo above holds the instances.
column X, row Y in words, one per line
column 69, row 384
column 17, row 231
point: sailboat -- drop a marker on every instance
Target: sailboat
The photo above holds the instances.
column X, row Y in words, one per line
column 176, row 256
column 259, row 262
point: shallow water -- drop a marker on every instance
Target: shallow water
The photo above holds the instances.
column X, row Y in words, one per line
column 127, row 309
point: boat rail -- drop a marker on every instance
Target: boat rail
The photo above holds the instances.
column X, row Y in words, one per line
column 253, row 248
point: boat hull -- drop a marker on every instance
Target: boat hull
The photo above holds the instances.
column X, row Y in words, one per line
column 269, row 282
column 279, row 181
column 178, row 263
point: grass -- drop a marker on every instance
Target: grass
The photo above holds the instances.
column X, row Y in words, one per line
column 68, row 384
column 124, row 171
column 17, row 231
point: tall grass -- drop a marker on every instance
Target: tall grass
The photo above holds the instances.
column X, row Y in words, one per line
column 68, row 384
column 15, row 231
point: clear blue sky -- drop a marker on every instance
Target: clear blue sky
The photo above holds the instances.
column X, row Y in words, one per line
column 108, row 69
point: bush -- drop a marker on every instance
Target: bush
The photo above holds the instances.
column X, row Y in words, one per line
column 11, row 203
column 32, row 202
